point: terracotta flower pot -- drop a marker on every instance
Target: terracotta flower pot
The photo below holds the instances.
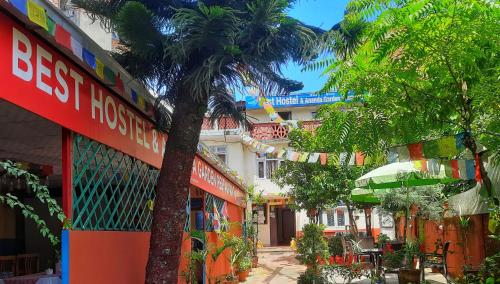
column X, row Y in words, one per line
column 339, row 259
column 407, row 276
column 242, row 275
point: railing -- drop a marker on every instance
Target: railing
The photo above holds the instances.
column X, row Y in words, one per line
column 223, row 124
column 274, row 131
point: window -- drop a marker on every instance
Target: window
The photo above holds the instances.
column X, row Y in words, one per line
column 220, row 151
column 267, row 166
column 340, row 217
column 286, row 115
column 330, row 217
column 314, row 115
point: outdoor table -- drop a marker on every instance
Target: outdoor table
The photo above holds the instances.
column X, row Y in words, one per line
column 39, row 278
column 375, row 254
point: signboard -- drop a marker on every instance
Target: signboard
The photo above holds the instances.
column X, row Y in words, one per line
column 37, row 77
column 297, row 100
column 210, row 180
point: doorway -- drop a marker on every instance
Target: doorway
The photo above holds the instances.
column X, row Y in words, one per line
column 283, row 229
column 33, row 144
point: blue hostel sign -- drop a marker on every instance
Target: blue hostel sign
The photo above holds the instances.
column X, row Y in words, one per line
column 296, row 100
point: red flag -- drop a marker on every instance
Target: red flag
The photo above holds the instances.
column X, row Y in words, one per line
column 479, row 178
column 416, row 151
column 119, row 84
column 63, row 37
column 360, row 159
column 323, row 158
column 454, row 169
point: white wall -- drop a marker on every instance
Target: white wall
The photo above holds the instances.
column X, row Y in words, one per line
column 95, row 31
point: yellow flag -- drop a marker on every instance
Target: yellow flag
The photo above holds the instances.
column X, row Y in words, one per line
column 99, row 68
column 141, row 103
column 37, row 14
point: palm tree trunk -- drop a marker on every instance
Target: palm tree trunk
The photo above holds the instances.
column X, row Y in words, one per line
column 169, row 214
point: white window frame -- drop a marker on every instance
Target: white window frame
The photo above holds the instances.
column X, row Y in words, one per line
column 219, row 150
column 264, row 160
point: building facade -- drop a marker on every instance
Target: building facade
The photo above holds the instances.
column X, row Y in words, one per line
column 84, row 125
column 278, row 223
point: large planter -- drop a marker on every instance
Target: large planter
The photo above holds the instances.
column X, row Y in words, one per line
column 242, row 275
column 235, row 281
column 407, row 276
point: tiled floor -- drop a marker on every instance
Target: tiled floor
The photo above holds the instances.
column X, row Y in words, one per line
column 278, row 265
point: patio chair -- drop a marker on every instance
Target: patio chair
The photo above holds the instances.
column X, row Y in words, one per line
column 428, row 260
column 7, row 266
column 27, row 264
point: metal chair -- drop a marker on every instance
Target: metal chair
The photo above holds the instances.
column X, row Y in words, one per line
column 435, row 259
column 27, row 264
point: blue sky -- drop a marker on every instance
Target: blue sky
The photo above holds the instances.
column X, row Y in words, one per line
column 321, row 13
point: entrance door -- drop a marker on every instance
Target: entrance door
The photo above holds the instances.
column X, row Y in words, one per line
column 286, row 226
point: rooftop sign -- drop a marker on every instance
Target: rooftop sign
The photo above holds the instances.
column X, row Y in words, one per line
column 296, row 100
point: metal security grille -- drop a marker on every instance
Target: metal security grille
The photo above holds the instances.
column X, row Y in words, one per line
column 210, row 201
column 111, row 190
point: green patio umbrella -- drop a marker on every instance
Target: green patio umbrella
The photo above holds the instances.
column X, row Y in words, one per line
column 400, row 174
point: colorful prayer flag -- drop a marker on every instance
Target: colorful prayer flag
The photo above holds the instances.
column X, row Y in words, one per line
column 462, row 170
column 77, row 48
column 119, row 83
column 90, row 59
column 99, row 68
column 403, row 153
column 447, row 147
column 392, row 156
column 313, row 158
column 270, row 150
column 63, row 37
column 133, row 95
column 459, row 141
column 470, row 169
column 51, row 26
column 416, row 151
column 303, row 157
column 37, row 15
column 360, row 159
column 141, row 103
column 109, row 74
column 323, row 157
column 281, row 153
column 431, row 149
column 20, row 5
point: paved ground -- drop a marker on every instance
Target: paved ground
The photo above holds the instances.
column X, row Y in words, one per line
column 277, row 265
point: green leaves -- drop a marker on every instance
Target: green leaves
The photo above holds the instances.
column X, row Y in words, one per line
column 41, row 193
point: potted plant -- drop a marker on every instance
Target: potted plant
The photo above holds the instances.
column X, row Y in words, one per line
column 409, row 273
column 312, row 248
column 237, row 251
column 335, row 248
column 244, row 266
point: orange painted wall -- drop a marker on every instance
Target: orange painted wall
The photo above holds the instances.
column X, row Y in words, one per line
column 107, row 257
column 185, row 249
column 103, row 257
column 220, row 268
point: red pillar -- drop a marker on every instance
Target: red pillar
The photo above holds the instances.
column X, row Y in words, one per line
column 67, row 172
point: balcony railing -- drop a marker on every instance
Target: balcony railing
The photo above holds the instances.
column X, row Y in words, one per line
column 275, row 131
column 223, row 124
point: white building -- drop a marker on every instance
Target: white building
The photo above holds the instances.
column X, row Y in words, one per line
column 277, row 223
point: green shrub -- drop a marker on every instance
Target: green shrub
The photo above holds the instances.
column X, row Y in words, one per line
column 311, row 277
column 312, row 246
column 335, row 245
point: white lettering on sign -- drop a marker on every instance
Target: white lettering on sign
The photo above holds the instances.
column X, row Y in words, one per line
column 205, row 172
column 52, row 76
column 24, row 69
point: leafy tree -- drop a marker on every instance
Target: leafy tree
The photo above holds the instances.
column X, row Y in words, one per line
column 195, row 54
column 428, row 67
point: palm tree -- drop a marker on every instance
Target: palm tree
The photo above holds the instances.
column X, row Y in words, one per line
column 195, row 54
